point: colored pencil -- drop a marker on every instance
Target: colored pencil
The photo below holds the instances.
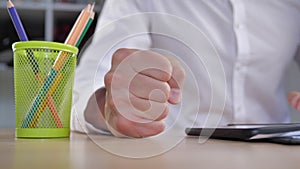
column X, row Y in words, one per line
column 16, row 21
column 35, row 68
column 37, row 106
column 21, row 33
column 91, row 18
column 34, row 121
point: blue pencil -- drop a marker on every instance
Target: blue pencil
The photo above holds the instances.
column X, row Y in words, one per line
column 21, row 33
column 16, row 21
column 35, row 67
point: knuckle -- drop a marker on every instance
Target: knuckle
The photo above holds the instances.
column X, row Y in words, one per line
column 163, row 64
column 181, row 72
column 160, row 92
column 165, row 87
column 167, row 70
column 164, row 114
column 116, row 58
column 159, row 113
column 108, row 78
column 166, row 111
column 120, row 54
column 165, row 76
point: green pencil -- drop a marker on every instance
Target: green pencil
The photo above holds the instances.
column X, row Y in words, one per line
column 86, row 29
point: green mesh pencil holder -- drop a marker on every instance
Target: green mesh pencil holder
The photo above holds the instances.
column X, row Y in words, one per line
column 43, row 94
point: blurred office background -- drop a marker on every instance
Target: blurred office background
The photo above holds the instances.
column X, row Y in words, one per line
column 51, row 20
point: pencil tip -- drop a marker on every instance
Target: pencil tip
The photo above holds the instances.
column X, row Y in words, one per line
column 9, row 4
column 91, row 2
column 93, row 5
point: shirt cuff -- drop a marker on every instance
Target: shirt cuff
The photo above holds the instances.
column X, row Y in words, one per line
column 93, row 130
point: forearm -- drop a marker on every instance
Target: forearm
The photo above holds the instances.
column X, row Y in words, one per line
column 93, row 113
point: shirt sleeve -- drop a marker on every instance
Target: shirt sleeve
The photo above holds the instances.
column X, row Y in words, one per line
column 120, row 25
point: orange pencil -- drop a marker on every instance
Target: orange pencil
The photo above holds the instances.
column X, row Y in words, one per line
column 44, row 105
column 48, row 86
column 78, row 26
column 73, row 36
column 23, row 37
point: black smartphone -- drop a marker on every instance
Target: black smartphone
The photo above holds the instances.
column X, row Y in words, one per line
column 290, row 140
column 288, row 134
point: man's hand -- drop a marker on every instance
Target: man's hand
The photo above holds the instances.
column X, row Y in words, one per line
column 294, row 100
column 138, row 87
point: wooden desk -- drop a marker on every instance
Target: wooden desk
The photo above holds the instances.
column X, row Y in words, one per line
column 80, row 151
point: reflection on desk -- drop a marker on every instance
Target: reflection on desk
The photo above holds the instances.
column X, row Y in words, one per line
column 99, row 151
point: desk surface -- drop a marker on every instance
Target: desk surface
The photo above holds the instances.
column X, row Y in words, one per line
column 99, row 151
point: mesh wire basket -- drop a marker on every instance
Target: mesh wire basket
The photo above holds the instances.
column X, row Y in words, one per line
column 33, row 60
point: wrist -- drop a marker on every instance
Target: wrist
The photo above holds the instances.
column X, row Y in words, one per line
column 94, row 110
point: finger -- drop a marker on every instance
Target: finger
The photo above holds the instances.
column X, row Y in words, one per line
column 138, row 130
column 176, row 81
column 148, row 88
column 121, row 126
column 94, row 111
column 146, row 62
column 113, row 80
column 137, row 109
column 120, row 55
column 294, row 100
column 151, row 64
column 111, row 122
column 148, row 110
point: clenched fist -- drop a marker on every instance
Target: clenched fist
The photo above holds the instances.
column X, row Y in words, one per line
column 138, row 88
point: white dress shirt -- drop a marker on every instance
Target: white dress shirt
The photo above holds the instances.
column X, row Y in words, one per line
column 256, row 41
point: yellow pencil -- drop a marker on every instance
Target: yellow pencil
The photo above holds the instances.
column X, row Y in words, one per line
column 43, row 106
column 38, row 105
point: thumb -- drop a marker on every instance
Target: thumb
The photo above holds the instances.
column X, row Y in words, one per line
column 176, row 81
